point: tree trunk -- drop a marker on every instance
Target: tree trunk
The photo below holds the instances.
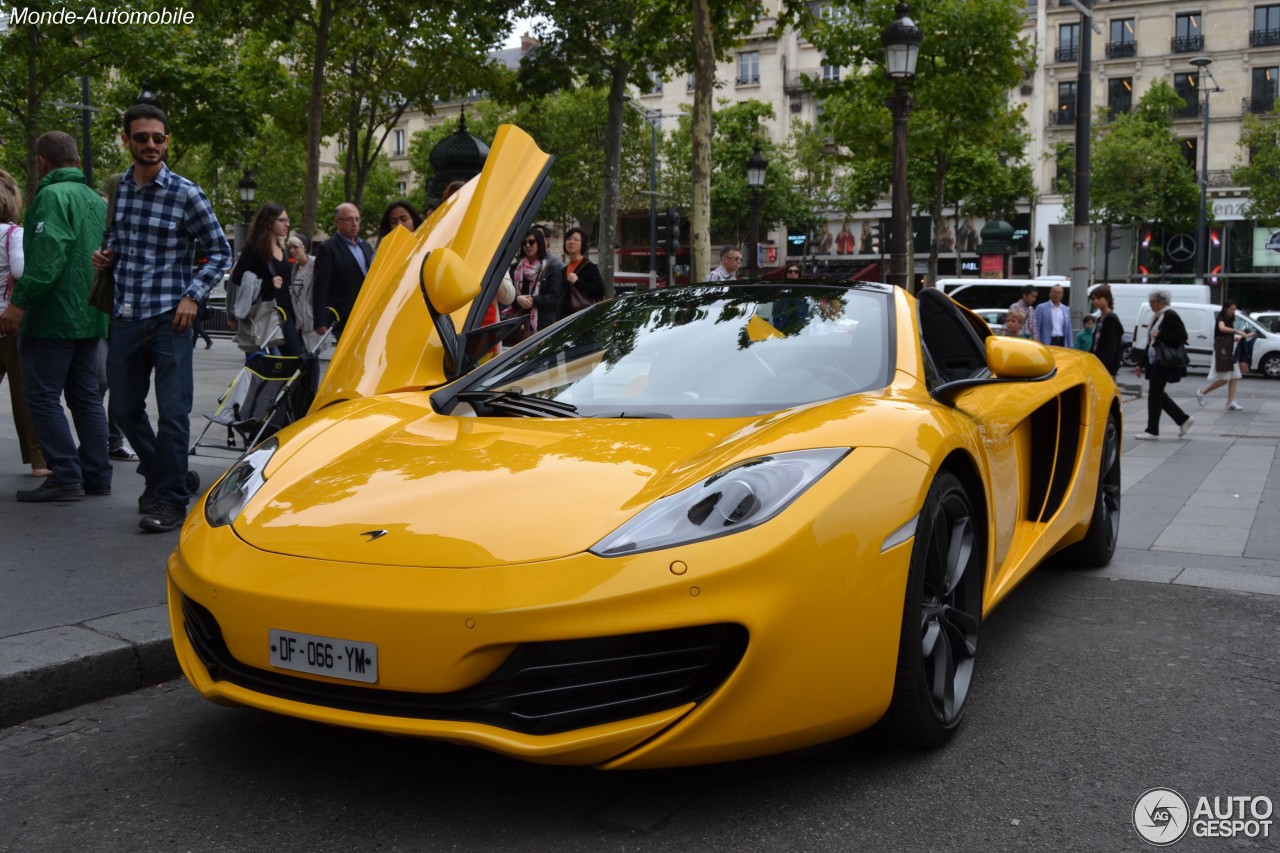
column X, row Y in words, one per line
column 612, row 171
column 704, row 81
column 315, row 117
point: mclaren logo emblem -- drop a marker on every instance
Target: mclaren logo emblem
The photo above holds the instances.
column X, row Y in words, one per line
column 374, row 534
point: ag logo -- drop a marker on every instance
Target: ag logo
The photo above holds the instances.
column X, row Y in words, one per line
column 1161, row 816
column 1181, row 247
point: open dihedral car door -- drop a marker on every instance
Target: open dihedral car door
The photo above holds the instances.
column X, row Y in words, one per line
column 393, row 341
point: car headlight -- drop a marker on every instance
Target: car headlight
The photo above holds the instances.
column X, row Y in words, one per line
column 738, row 498
column 241, row 483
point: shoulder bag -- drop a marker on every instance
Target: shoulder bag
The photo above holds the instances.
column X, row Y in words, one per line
column 102, row 295
column 1224, row 353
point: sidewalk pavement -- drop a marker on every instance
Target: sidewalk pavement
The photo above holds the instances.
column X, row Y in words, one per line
column 82, row 589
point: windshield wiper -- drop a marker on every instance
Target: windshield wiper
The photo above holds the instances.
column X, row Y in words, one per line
column 513, row 401
column 633, row 413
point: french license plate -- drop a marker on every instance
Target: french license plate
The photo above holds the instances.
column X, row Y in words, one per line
column 346, row 659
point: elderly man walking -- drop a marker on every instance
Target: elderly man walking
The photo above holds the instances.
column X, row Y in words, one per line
column 59, row 330
column 342, row 262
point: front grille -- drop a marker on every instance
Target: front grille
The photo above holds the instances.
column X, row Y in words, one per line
column 541, row 689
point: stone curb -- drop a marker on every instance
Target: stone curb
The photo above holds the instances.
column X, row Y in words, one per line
column 47, row 671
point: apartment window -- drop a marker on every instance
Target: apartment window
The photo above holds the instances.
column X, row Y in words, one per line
column 1189, row 150
column 1186, row 84
column 402, row 188
column 1068, row 43
column 1123, row 39
column 689, row 85
column 397, row 143
column 748, row 67
column 1066, row 113
column 655, row 82
column 830, row 73
column 1187, row 35
column 1266, row 26
column 1263, row 96
column 1064, row 180
column 1119, row 95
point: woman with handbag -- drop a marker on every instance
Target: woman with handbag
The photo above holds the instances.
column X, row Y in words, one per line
column 1165, row 362
column 1225, row 369
column 264, row 257
column 583, row 285
column 538, row 287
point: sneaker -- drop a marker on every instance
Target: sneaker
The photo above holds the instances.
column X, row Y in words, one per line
column 166, row 517
column 148, row 501
column 1146, row 436
column 1234, row 407
column 124, row 453
column 1202, row 399
column 51, row 491
column 1185, row 427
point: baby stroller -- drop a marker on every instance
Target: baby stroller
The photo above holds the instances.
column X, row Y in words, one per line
column 267, row 394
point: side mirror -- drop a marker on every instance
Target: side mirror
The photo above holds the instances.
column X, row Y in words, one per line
column 448, row 282
column 1017, row 358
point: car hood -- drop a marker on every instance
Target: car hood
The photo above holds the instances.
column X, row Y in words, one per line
column 461, row 492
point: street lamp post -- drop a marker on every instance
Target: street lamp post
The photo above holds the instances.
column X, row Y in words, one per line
column 654, row 118
column 901, row 41
column 248, row 192
column 756, row 165
column 1202, row 64
column 1039, row 250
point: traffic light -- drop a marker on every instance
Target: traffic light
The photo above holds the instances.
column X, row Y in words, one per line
column 669, row 231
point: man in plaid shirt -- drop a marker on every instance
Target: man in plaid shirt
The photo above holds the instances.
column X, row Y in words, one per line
column 161, row 221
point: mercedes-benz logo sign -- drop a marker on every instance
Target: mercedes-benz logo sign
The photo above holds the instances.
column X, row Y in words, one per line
column 1181, row 247
column 1273, row 244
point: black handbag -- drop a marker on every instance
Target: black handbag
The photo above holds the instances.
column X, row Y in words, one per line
column 102, row 295
column 1164, row 355
column 1224, row 353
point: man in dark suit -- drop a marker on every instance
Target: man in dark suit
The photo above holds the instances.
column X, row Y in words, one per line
column 341, row 264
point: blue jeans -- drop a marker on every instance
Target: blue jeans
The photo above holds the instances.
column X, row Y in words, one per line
column 137, row 349
column 52, row 368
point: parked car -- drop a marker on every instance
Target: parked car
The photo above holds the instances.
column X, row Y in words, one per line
column 994, row 318
column 1269, row 320
column 1200, row 321
column 684, row 526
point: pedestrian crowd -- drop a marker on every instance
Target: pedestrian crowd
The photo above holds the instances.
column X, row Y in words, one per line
column 109, row 291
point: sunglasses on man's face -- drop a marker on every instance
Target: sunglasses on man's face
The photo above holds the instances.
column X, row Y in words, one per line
column 142, row 138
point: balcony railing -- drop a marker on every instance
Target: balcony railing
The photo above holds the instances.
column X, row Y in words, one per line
column 1066, row 54
column 1186, row 44
column 1260, row 105
column 1115, row 112
column 745, row 80
column 793, row 83
column 1264, row 38
column 1121, row 49
column 1191, row 110
column 1221, row 179
column 1067, row 116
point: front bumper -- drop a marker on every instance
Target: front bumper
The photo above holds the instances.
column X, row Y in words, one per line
column 767, row 640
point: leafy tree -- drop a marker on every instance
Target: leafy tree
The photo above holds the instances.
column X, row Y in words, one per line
column 784, row 196
column 1139, row 175
column 972, row 54
column 1259, row 168
column 611, row 44
column 420, row 54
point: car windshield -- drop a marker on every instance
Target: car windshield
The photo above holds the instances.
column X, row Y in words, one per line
column 702, row 352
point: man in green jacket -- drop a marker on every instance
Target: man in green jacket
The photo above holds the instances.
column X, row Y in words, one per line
column 58, row 329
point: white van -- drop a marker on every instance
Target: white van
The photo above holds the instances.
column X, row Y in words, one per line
column 1200, row 320
column 1129, row 299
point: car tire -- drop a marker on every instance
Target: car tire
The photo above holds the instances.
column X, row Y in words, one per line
column 1127, row 357
column 1099, row 543
column 941, row 613
column 1270, row 366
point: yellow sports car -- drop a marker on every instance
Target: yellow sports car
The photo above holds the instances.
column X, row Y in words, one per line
column 685, row 526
